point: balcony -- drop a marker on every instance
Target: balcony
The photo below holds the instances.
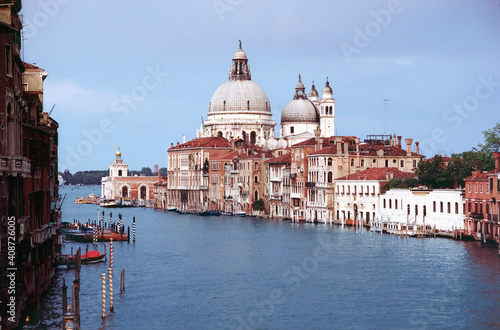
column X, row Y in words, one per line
column 475, row 215
column 493, row 217
column 275, row 197
column 20, row 166
column 310, row 184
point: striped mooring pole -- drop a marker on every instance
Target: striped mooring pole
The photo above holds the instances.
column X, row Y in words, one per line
column 133, row 227
column 120, row 224
column 103, row 295
column 95, row 235
column 110, row 274
column 111, row 253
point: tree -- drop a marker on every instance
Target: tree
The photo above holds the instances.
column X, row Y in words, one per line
column 491, row 140
column 434, row 174
column 163, row 171
column 400, row 183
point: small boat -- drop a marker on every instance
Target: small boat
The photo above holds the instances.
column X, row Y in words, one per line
column 171, row 209
column 240, row 214
column 90, row 257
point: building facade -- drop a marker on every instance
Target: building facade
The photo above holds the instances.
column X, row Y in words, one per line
column 119, row 186
column 29, row 190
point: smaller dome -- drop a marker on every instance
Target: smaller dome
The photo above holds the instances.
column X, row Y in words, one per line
column 300, row 86
column 299, row 110
column 327, row 89
column 313, row 92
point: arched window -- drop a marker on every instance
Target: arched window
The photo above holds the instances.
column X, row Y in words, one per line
column 143, row 192
column 330, row 177
column 256, row 179
column 256, row 195
column 124, row 191
column 244, row 136
column 449, row 207
column 456, row 208
column 330, row 161
column 253, row 138
column 219, row 134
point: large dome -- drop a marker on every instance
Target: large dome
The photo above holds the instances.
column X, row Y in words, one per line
column 239, row 96
column 299, row 111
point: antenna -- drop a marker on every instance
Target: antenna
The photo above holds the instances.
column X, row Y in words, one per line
column 52, row 109
column 385, row 114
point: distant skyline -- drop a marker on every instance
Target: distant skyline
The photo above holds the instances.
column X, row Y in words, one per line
column 140, row 75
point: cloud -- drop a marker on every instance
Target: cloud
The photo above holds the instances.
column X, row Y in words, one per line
column 76, row 99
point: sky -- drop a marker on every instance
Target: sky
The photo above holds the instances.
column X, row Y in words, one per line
column 140, row 74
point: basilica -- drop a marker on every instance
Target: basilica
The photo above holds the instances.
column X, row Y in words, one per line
column 240, row 109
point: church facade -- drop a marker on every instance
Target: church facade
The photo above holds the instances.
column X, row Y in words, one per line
column 120, row 186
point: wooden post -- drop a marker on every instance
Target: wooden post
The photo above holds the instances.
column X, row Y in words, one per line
column 111, row 253
column 133, row 227
column 128, row 234
column 64, row 297
column 103, row 295
column 76, row 305
column 110, row 275
column 105, row 255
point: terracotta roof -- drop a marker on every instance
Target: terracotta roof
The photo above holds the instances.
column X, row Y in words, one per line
column 379, row 174
column 207, row 142
column 283, row 159
column 31, row 66
column 241, row 154
column 478, row 175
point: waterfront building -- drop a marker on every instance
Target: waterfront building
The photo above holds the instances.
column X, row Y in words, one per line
column 119, row 186
column 160, row 193
column 357, row 195
column 442, row 209
column 279, row 186
column 346, row 155
column 481, row 203
column 29, row 198
column 188, row 172
column 240, row 179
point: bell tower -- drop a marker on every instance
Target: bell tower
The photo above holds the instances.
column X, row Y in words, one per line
column 327, row 111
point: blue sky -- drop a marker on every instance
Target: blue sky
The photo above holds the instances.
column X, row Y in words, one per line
column 140, row 74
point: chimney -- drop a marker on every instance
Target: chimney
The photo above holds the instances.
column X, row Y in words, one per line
column 178, row 143
column 417, row 147
column 399, row 141
column 171, row 144
column 408, row 146
column 357, row 146
column 317, row 133
column 496, row 155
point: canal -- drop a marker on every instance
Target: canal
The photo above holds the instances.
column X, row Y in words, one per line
column 187, row 271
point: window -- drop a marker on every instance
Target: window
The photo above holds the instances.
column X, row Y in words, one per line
column 470, row 186
column 119, row 172
column 352, row 162
column 330, row 177
column 362, row 163
column 414, row 164
column 434, row 206
column 425, row 210
column 396, row 204
column 476, row 187
column 481, row 187
column 488, row 209
column 8, row 61
column 390, row 203
column 292, row 130
column 456, row 208
column 449, row 207
column 255, row 166
column 416, row 209
column 330, row 161
column 256, row 179
column 402, row 163
column 491, row 184
column 441, row 207
column 386, row 163
column 384, row 203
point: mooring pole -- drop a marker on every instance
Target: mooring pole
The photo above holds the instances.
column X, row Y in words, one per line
column 110, row 274
column 133, row 227
column 111, row 253
column 103, row 295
